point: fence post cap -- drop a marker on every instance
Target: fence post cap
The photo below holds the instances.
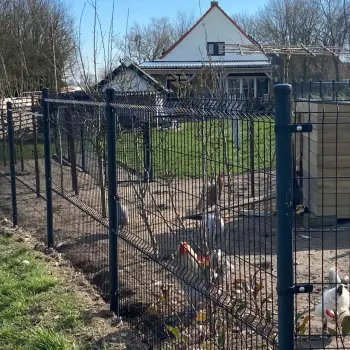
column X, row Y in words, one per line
column 283, row 89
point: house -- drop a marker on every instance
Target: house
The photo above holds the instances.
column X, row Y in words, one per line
column 129, row 77
column 190, row 62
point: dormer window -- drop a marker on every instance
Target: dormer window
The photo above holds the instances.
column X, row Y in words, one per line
column 216, row 48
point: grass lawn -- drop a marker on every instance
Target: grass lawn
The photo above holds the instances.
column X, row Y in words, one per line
column 27, row 150
column 182, row 152
column 39, row 310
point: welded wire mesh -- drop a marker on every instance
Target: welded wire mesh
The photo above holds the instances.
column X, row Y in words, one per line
column 197, row 176
column 321, row 235
column 168, row 151
column 78, row 169
column 325, row 90
column 182, row 283
column 29, row 153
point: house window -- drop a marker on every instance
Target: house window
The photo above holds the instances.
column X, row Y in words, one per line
column 216, row 48
column 234, row 88
column 242, row 88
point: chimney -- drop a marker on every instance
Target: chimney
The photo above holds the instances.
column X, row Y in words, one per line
column 214, row 3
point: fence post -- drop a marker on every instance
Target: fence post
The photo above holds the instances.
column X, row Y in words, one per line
column 302, row 88
column 82, row 137
column 147, row 149
column 3, row 135
column 36, row 154
column 284, row 178
column 112, row 202
column 252, row 157
column 72, row 154
column 48, row 179
column 310, row 89
column 11, row 141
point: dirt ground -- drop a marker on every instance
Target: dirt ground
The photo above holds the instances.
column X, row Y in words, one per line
column 81, row 235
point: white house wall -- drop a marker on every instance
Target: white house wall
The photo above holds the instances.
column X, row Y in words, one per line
column 129, row 81
column 215, row 27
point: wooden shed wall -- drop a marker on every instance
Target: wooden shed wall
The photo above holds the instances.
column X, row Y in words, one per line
column 325, row 154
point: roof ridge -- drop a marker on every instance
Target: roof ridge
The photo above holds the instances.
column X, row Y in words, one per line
column 213, row 5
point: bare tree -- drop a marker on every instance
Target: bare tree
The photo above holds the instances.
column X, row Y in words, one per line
column 148, row 42
column 36, row 43
column 183, row 21
column 291, row 22
column 335, row 28
column 249, row 23
column 287, row 22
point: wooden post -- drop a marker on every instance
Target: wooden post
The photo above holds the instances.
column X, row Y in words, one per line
column 71, row 148
column 36, row 156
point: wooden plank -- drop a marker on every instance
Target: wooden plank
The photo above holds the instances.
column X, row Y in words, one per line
column 310, row 198
column 334, row 149
column 309, row 184
column 339, row 134
column 330, row 162
column 331, row 123
column 329, row 149
column 326, row 162
column 333, row 172
column 313, row 201
column 339, row 212
column 328, row 199
column 327, row 185
column 310, row 159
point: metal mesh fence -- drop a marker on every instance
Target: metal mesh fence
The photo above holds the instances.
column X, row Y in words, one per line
column 193, row 260
column 28, row 149
column 321, row 234
column 197, row 180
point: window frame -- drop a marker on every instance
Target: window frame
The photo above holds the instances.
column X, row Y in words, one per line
column 216, row 46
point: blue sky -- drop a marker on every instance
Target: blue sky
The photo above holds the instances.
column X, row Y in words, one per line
column 141, row 11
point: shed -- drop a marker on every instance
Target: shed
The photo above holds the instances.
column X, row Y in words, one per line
column 325, row 157
column 130, row 77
